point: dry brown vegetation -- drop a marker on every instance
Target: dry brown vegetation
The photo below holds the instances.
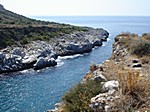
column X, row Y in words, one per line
column 134, row 82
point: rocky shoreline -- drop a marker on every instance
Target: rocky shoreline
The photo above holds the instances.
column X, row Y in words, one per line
column 41, row 54
column 124, row 79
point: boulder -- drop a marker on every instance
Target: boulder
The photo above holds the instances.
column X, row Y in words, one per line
column 18, row 52
column 77, row 48
column 99, row 78
column 29, row 59
column 52, row 62
column 110, row 85
column 136, row 61
column 41, row 63
column 97, row 43
column 99, row 103
column 44, row 62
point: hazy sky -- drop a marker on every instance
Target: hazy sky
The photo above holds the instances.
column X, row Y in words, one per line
column 78, row 7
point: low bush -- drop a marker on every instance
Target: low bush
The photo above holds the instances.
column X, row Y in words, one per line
column 139, row 46
column 78, row 98
column 142, row 47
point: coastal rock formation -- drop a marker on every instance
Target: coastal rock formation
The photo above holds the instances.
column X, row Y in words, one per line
column 28, row 43
column 41, row 54
column 79, row 42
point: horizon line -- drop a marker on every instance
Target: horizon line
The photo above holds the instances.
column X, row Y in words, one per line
column 91, row 15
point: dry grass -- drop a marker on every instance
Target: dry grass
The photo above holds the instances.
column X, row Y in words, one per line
column 134, row 89
column 135, row 99
column 129, row 80
column 145, row 60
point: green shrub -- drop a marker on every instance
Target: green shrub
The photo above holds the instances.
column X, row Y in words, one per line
column 24, row 41
column 142, row 48
column 78, row 98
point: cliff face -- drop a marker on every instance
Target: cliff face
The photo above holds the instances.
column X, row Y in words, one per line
column 124, row 77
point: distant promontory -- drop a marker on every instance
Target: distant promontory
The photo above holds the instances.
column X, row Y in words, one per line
column 28, row 43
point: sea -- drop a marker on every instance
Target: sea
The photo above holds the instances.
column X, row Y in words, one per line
column 38, row 91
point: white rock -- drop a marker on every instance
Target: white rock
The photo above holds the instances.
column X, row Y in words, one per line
column 29, row 59
column 110, row 85
column 107, row 108
column 99, row 77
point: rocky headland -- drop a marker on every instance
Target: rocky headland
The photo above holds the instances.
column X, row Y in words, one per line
column 27, row 43
column 39, row 54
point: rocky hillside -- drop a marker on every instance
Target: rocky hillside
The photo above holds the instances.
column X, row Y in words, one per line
column 38, row 44
column 11, row 18
column 17, row 29
column 122, row 81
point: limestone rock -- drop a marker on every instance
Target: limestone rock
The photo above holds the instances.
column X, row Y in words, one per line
column 110, row 85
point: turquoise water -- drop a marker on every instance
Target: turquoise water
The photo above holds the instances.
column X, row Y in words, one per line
column 38, row 91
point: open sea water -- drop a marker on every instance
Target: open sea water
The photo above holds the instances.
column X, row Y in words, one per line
column 38, row 91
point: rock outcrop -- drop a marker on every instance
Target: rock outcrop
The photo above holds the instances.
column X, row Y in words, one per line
column 41, row 54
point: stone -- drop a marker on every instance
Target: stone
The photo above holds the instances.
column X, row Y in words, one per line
column 104, row 38
column 41, row 63
column 29, row 59
column 44, row 62
column 136, row 61
column 110, row 85
column 107, row 108
column 97, row 43
column 18, row 52
column 52, row 62
column 136, row 65
column 99, row 77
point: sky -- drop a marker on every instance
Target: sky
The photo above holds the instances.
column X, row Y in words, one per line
column 78, row 7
